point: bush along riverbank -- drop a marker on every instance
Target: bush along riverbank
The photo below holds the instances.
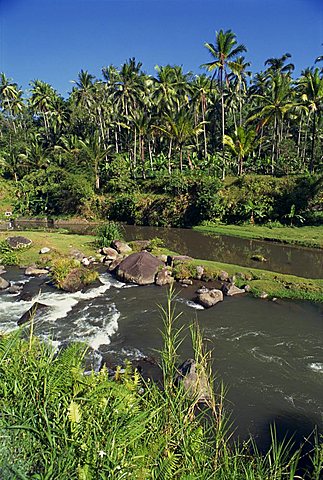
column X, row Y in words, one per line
column 58, row 422
column 72, row 262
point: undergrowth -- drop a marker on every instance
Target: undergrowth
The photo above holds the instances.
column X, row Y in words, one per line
column 58, row 423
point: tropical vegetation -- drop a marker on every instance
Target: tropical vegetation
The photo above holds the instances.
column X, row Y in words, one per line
column 119, row 144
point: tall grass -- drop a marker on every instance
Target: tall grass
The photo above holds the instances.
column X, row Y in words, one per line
column 57, row 423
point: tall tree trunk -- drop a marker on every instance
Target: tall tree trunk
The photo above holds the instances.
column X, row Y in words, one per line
column 142, row 150
column 204, row 126
column 150, row 156
column 313, row 142
column 169, row 155
column 181, row 158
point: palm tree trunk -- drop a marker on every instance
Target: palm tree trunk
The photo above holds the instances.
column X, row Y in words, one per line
column 142, row 150
column 150, row 156
column 299, row 135
column 313, row 142
column 169, row 155
column 204, row 126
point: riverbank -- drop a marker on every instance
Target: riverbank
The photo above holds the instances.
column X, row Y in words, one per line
column 303, row 236
column 260, row 281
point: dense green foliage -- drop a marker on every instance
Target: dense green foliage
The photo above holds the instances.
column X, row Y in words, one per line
column 57, row 422
column 108, row 232
column 154, row 149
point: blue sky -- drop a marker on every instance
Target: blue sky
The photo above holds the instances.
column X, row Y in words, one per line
column 53, row 40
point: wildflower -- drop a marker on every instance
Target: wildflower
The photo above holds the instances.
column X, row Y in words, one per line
column 101, row 453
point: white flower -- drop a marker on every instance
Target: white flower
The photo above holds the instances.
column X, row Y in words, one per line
column 101, row 453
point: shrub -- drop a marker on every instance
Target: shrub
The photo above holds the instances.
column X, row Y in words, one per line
column 61, row 267
column 108, row 232
column 8, row 256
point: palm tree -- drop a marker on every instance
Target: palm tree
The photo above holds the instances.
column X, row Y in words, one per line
column 311, row 86
column 200, row 96
column 83, row 90
column 274, row 102
column 181, row 130
column 10, row 97
column 95, row 153
column 42, row 100
column 242, row 144
column 224, row 51
column 277, row 65
column 239, row 77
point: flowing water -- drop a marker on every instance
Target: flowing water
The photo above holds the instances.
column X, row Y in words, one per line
column 268, row 354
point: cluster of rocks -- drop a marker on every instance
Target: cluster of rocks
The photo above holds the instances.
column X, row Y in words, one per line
column 143, row 268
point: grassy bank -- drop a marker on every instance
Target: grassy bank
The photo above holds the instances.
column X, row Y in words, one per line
column 274, row 284
column 59, row 243
column 58, row 423
column 305, row 236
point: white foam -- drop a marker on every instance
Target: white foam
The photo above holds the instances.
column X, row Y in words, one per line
column 316, row 367
column 190, row 303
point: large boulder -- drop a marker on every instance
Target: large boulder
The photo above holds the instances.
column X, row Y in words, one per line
column 194, row 380
column 140, row 268
column 3, row 283
column 18, row 242
column 209, row 298
column 230, row 289
column 35, row 312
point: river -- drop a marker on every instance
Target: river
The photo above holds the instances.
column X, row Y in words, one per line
column 268, row 354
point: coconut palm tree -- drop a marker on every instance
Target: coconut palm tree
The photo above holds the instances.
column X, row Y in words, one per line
column 42, row 101
column 277, row 65
column 181, row 130
column 224, row 51
column 242, row 144
column 95, row 153
column 311, row 88
column 10, row 98
column 274, row 103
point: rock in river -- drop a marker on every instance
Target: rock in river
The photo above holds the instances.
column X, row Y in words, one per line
column 229, row 289
column 3, row 283
column 35, row 312
column 140, row 268
column 209, row 298
column 194, row 380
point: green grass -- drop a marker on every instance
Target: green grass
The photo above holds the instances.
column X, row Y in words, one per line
column 57, row 423
column 275, row 284
column 305, row 236
column 59, row 243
